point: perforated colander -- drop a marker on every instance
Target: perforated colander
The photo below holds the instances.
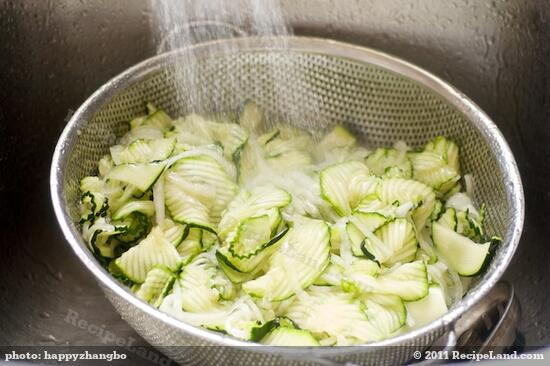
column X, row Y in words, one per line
column 319, row 83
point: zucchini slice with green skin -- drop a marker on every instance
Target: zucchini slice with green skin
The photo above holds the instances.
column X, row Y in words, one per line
column 344, row 185
column 254, row 234
column 190, row 246
column 143, row 151
column 249, row 264
column 145, row 207
column 396, row 243
column 448, row 219
column 389, row 162
column 361, row 225
column 385, row 312
column 286, row 336
column 235, row 275
column 249, row 203
column 409, row 281
column 93, row 205
column 334, row 313
column 463, row 255
column 427, row 309
column 157, row 285
column 208, row 240
column 433, row 170
column 173, row 232
column 302, row 257
column 468, row 226
column 142, row 176
column 260, row 331
column 154, row 250
column 400, row 190
column 99, row 237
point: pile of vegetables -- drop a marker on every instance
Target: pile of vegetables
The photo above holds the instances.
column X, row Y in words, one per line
column 272, row 234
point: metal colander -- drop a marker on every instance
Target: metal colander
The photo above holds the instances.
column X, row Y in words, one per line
column 316, row 83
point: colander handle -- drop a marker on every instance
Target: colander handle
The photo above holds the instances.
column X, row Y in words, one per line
column 201, row 24
column 501, row 298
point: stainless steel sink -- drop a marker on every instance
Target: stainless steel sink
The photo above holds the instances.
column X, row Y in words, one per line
column 56, row 53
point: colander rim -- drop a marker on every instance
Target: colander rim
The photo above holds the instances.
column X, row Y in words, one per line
column 507, row 164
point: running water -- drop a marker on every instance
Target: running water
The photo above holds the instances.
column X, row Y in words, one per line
column 185, row 23
column 272, row 78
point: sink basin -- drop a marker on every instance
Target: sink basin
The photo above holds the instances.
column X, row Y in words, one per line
column 59, row 52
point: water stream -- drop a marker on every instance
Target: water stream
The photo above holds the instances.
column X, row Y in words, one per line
column 185, row 23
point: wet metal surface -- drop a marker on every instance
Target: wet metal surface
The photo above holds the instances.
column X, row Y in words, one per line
column 57, row 53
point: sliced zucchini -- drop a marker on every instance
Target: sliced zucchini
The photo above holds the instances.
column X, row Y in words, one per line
column 99, row 237
column 243, row 319
column 190, row 246
column 105, row 165
column 344, row 185
column 389, row 162
column 290, row 160
column 386, row 312
column 468, row 226
column 427, row 309
column 143, row 151
column 448, row 219
column 142, row 176
column 197, row 285
column 447, row 149
column 142, row 133
column 331, row 276
column 196, row 130
column 145, row 207
column 154, row 250
column 286, row 336
column 173, row 232
column 433, row 170
column 301, row 258
column 396, row 243
column 136, row 226
column 159, row 119
column 334, row 313
column 254, row 233
column 463, row 255
column 197, row 190
column 208, row 240
column 249, row 203
column 409, row 281
column 93, row 204
column 157, row 285
column 338, row 137
column 260, row 331
column 236, row 276
column 372, row 203
column 249, row 264
column 361, row 225
column 398, row 190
